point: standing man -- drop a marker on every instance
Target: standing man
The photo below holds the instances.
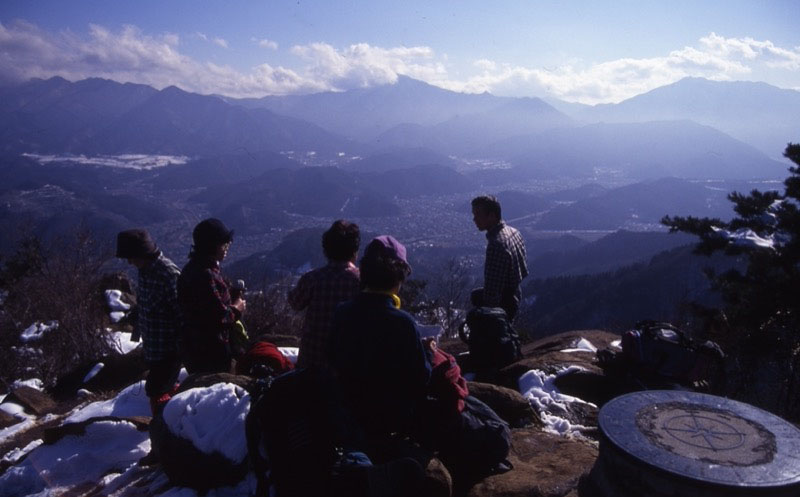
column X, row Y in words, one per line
column 157, row 313
column 208, row 310
column 506, row 260
column 321, row 290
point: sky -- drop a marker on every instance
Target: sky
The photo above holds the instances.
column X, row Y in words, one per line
column 578, row 51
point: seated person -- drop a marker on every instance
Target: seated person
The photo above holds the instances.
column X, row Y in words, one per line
column 319, row 291
column 376, row 349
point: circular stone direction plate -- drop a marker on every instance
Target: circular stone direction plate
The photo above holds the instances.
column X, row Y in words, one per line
column 704, row 437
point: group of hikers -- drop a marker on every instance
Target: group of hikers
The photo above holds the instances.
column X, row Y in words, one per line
column 392, row 381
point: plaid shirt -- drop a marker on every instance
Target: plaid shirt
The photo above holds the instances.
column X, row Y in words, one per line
column 158, row 318
column 506, row 266
column 205, row 300
column 319, row 292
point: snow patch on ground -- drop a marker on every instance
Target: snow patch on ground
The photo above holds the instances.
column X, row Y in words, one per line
column 114, row 301
column 121, row 342
column 211, row 418
column 34, row 383
column 14, row 409
column 290, row 353
column 106, row 447
column 37, row 330
column 540, row 390
column 141, row 162
column 582, row 345
column 16, row 454
column 130, row 402
column 93, row 372
column 12, row 430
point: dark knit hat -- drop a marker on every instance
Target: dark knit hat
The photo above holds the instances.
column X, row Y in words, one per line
column 211, row 233
column 135, row 243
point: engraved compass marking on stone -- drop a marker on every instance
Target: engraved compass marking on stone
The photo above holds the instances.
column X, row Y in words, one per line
column 704, row 432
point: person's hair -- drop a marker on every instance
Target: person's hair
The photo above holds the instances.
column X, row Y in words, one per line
column 382, row 272
column 341, row 241
column 488, row 204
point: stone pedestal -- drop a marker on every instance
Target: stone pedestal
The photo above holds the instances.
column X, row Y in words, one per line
column 673, row 443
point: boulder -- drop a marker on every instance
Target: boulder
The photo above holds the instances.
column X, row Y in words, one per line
column 119, row 371
column 546, row 355
column 7, row 420
column 545, row 465
column 56, row 433
column 591, row 386
column 438, row 482
column 507, row 403
column 34, row 401
column 187, row 466
column 199, row 438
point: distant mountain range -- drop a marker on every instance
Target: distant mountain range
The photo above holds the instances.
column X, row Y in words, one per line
column 97, row 116
column 639, row 205
column 681, row 129
column 756, row 113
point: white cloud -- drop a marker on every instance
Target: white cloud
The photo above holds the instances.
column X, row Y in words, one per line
column 129, row 54
column 265, row 43
column 715, row 58
column 362, row 65
column 27, row 52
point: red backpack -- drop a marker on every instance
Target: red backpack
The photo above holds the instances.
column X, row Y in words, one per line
column 446, row 383
column 263, row 359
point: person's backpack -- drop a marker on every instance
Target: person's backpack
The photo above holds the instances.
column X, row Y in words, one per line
column 297, row 429
column 493, row 342
column 301, row 443
column 657, row 348
column 481, row 442
column 262, row 360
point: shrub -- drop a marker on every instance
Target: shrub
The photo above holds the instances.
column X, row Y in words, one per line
column 761, row 309
column 57, row 283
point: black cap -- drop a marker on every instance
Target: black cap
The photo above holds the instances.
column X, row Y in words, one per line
column 135, row 243
column 211, row 233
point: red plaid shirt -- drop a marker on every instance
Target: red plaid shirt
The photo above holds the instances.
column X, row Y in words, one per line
column 319, row 292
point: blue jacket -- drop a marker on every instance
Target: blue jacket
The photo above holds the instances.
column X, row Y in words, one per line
column 380, row 362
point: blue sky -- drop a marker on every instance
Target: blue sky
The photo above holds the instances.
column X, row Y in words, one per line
column 585, row 51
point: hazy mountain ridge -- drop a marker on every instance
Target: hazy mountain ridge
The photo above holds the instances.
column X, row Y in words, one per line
column 660, row 289
column 639, row 150
column 639, row 204
column 56, row 116
column 618, row 249
column 648, row 138
column 366, row 113
column 762, row 115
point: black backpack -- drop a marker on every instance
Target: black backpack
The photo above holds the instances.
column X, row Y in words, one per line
column 297, row 429
column 493, row 342
column 300, row 441
column 663, row 350
column 481, row 443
